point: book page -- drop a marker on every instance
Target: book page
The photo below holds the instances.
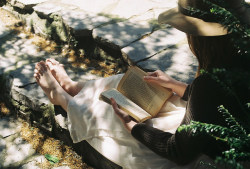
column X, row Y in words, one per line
column 148, row 96
column 125, row 104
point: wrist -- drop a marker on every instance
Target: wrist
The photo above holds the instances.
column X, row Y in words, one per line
column 179, row 87
column 130, row 125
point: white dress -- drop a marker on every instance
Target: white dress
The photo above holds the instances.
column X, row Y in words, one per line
column 93, row 120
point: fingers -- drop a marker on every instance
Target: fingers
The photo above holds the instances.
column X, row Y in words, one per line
column 121, row 114
column 151, row 78
column 152, row 73
column 114, row 105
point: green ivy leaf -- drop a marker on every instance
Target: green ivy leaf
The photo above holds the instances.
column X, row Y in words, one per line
column 52, row 159
column 212, row 10
column 248, row 105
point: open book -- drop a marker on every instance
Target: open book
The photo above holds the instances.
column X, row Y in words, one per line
column 141, row 100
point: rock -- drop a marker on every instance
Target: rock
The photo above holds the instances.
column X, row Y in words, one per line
column 3, row 30
column 121, row 8
column 2, row 151
column 18, row 151
column 6, row 63
column 93, row 6
column 34, row 162
column 8, row 19
column 179, row 63
column 40, row 26
column 61, row 167
column 48, row 8
column 81, row 22
column 156, row 42
column 30, row 165
column 123, row 32
column 62, row 121
column 8, row 126
column 25, row 4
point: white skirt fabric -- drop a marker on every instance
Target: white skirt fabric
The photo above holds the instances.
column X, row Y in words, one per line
column 93, row 120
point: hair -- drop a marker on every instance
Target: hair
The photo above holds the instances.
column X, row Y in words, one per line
column 212, row 51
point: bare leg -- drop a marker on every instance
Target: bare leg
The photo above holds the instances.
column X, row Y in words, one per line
column 58, row 71
column 50, row 86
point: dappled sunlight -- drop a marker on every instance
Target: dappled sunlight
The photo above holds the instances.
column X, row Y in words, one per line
column 120, row 8
column 18, row 151
column 20, row 48
column 6, row 63
column 3, row 31
column 91, row 6
column 123, row 33
column 178, row 63
column 8, row 128
column 79, row 19
column 24, row 75
column 156, row 42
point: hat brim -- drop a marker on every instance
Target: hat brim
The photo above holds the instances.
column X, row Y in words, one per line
column 191, row 25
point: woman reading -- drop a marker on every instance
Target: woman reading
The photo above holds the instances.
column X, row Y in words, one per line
column 93, row 120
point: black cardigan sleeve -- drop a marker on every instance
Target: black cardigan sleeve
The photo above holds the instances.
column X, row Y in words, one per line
column 205, row 95
column 177, row 147
column 185, row 95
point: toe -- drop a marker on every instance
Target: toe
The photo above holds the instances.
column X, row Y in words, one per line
column 53, row 61
column 50, row 65
column 43, row 66
column 38, row 69
column 36, row 76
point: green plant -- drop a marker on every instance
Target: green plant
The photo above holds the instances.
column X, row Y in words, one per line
column 234, row 135
column 237, row 132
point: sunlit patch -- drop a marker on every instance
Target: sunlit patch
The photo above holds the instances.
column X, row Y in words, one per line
column 4, row 109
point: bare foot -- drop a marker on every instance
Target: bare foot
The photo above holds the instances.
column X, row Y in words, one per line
column 58, row 71
column 49, row 85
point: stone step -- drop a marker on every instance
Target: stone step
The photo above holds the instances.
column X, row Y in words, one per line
column 156, row 42
column 4, row 31
column 14, row 151
column 178, row 62
column 18, row 57
column 124, row 26
column 25, row 4
column 124, row 32
column 121, row 8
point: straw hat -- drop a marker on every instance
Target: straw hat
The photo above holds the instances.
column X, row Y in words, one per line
column 192, row 23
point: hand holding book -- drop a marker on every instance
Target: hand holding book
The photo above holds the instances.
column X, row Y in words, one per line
column 141, row 100
column 124, row 117
column 160, row 78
